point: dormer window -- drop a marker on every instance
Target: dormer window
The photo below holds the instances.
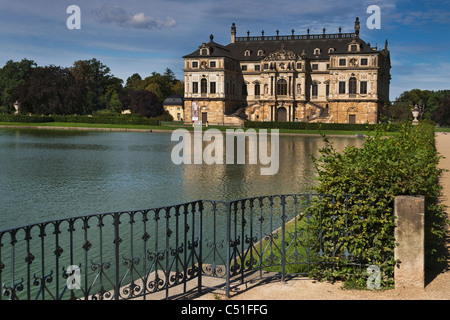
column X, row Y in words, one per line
column 247, row 53
column 260, row 53
column 317, row 51
column 353, row 47
column 331, row 50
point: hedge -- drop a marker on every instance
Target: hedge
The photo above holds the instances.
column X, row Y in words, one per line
column 391, row 127
column 382, row 169
column 119, row 119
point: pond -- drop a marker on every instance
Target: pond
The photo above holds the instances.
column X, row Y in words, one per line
column 54, row 174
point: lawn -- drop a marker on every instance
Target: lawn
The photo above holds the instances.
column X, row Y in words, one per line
column 168, row 127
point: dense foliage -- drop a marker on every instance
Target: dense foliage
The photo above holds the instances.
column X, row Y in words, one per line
column 85, row 88
column 319, row 126
column 383, row 168
column 104, row 119
column 432, row 105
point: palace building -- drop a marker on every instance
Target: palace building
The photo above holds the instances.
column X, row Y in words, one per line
column 335, row 78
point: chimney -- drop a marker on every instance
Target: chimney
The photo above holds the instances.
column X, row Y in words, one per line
column 233, row 33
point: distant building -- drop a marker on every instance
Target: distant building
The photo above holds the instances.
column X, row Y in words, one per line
column 335, row 78
column 174, row 105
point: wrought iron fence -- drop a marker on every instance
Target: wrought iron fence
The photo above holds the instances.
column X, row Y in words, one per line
column 134, row 254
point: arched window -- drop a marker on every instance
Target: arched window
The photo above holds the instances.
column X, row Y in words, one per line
column 204, row 86
column 282, row 87
column 352, row 85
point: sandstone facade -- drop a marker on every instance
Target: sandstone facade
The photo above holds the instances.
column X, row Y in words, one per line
column 335, row 78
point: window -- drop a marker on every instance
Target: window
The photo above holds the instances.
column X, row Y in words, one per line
column 257, row 67
column 195, row 64
column 351, row 118
column 299, row 65
column 317, row 51
column 260, row 53
column 363, row 87
column 212, row 64
column 195, row 87
column 315, row 66
column 353, row 48
column 364, row 61
column 247, row 53
column 315, row 90
column 352, row 85
column 244, row 89
column 282, row 87
column 328, row 66
column 204, row 86
column 257, row 89
column 342, row 62
column 266, row 66
column 330, row 50
column 327, row 90
column 341, row 87
column 244, row 68
column 212, row 87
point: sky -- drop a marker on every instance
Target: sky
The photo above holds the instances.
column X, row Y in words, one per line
column 145, row 36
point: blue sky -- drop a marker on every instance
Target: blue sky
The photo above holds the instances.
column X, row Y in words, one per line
column 138, row 36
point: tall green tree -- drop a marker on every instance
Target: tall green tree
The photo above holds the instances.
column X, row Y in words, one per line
column 442, row 113
column 12, row 75
column 96, row 78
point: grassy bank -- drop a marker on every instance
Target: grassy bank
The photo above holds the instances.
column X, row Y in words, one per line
column 166, row 127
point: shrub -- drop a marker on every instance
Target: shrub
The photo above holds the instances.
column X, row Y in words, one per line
column 390, row 127
column 382, row 169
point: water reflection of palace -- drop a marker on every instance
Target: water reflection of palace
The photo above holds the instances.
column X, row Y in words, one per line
column 235, row 181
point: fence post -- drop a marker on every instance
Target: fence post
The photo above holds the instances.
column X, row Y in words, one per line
column 117, row 242
column 283, row 239
column 410, row 235
column 228, row 239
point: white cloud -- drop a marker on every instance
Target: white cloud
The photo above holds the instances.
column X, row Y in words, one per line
column 119, row 16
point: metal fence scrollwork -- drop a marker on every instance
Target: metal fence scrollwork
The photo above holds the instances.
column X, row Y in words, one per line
column 134, row 254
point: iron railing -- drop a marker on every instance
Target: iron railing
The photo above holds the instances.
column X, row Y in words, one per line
column 136, row 254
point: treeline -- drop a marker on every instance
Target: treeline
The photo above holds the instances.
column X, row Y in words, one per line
column 86, row 88
column 433, row 105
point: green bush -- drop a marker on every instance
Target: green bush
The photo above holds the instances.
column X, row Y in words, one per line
column 382, row 169
column 4, row 117
column 391, row 127
column 101, row 119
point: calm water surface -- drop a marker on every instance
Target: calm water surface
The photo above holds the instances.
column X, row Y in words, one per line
column 47, row 174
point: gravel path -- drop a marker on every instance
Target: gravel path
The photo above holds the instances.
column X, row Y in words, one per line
column 299, row 288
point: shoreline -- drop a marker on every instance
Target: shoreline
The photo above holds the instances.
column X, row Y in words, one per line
column 38, row 127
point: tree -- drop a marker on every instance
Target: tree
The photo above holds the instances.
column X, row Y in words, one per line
column 142, row 102
column 95, row 77
column 133, row 81
column 442, row 114
column 163, row 85
column 49, row 90
column 12, row 75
